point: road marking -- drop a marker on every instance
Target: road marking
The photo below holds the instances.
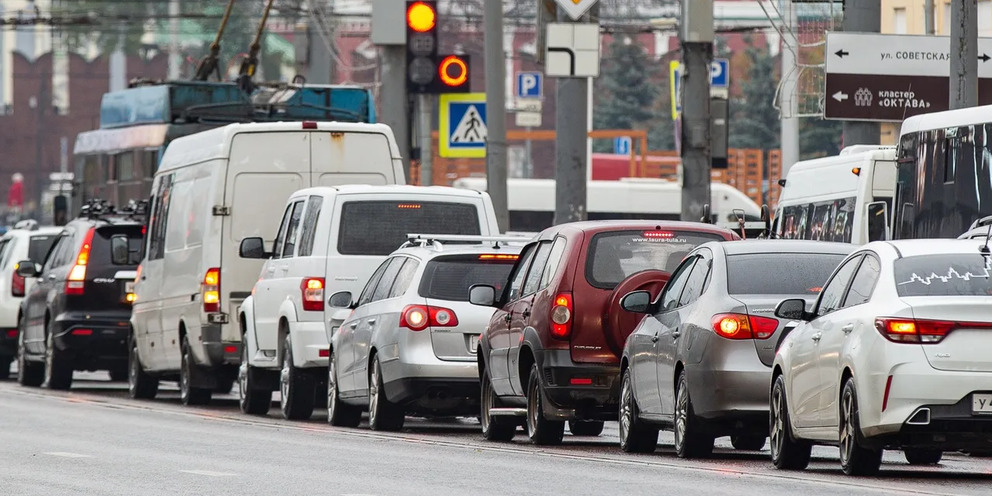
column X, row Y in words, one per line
column 65, row 454
column 208, row 473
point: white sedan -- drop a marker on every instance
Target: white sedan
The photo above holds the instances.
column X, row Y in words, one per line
column 894, row 355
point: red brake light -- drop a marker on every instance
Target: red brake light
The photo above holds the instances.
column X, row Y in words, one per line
column 658, row 234
column 16, row 283
column 420, row 317
column 309, row 125
column 82, row 332
column 561, row 316
column 741, row 326
column 76, row 281
column 11, row 333
column 498, row 257
column 408, row 206
column 312, row 292
column 901, row 330
column 211, row 290
column 580, row 381
column 885, row 397
column 762, row 327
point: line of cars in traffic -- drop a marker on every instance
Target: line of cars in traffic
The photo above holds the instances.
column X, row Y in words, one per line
column 338, row 303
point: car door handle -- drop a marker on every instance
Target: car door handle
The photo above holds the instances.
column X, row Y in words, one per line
column 51, row 277
column 816, row 337
column 353, row 325
column 676, row 334
column 508, row 317
column 525, row 314
column 848, row 328
column 371, row 321
column 654, row 339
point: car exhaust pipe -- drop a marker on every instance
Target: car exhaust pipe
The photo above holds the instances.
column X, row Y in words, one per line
column 920, row 417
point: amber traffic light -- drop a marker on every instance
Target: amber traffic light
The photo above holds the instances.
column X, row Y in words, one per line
column 427, row 71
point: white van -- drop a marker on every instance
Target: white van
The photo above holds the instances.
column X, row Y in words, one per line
column 331, row 240
column 212, row 190
column 846, row 198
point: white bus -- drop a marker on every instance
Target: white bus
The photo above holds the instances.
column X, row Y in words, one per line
column 846, row 198
column 532, row 201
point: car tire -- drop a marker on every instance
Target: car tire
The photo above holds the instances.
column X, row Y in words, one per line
column 296, row 387
column 339, row 413
column 590, row 428
column 921, row 456
column 5, row 367
column 140, row 385
column 188, row 394
column 384, row 415
column 252, row 400
column 855, row 458
column 690, row 439
column 540, row 430
column 30, row 374
column 494, row 428
column 787, row 453
column 636, row 436
column 58, row 370
column 747, row 442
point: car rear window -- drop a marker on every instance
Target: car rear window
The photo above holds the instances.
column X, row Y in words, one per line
column 100, row 251
column 380, row 227
column 765, row 274
column 944, row 275
column 39, row 247
column 450, row 277
column 613, row 256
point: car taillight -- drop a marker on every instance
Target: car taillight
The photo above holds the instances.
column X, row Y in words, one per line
column 76, row 281
column 16, row 283
column 561, row 316
column 901, row 330
column 312, row 289
column 420, row 317
column 741, row 326
column 211, row 290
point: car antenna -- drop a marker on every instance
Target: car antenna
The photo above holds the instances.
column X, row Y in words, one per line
column 985, row 248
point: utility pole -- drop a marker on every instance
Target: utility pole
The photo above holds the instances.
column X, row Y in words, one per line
column 571, row 100
column 496, row 112
column 425, row 107
column 175, row 58
column 928, row 23
column 389, row 34
column 863, row 16
column 696, row 36
column 44, row 100
column 788, row 106
column 964, row 54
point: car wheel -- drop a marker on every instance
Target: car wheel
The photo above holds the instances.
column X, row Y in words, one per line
column 140, row 385
column 636, row 436
column 31, row 374
column 923, row 456
column 251, row 399
column 855, row 459
column 339, row 413
column 540, row 430
column 690, row 440
column 747, row 442
column 296, row 387
column 58, row 370
column 384, row 415
column 787, row 453
column 188, row 394
column 494, row 428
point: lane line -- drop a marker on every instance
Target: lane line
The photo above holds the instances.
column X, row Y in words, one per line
column 208, row 473
column 66, row 454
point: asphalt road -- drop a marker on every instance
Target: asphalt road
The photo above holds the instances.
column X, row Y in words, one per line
column 94, row 440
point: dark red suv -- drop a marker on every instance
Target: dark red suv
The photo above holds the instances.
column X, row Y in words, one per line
column 552, row 349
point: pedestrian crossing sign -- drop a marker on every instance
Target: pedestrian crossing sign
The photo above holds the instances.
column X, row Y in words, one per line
column 462, row 125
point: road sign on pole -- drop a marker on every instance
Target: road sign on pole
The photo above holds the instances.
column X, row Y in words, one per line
column 884, row 77
column 621, row 145
column 529, row 85
column 462, row 125
column 572, row 50
column 719, row 82
column 576, row 8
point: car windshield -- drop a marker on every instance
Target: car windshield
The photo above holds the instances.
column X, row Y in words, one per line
column 39, row 246
column 380, row 227
column 944, row 275
column 450, row 277
column 613, row 256
column 761, row 274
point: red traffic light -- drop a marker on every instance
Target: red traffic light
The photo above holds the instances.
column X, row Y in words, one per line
column 453, row 71
column 420, row 17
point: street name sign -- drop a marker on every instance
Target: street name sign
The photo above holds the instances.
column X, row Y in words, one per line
column 883, row 77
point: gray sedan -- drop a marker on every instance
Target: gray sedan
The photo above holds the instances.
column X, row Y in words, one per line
column 700, row 362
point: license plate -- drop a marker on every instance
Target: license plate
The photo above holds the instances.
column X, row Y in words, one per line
column 473, row 343
column 129, row 287
column 981, row 404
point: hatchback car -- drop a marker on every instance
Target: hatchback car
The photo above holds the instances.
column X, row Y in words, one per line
column 409, row 347
column 551, row 351
column 699, row 364
column 29, row 242
column 76, row 316
column 895, row 355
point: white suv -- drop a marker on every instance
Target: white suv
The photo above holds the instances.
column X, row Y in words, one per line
column 330, row 239
column 31, row 243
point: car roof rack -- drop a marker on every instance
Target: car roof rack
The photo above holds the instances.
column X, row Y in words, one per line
column 27, row 225
column 984, row 221
column 417, row 239
column 102, row 209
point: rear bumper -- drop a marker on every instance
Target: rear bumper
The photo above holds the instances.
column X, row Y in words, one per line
column 93, row 344
column 732, row 395
column 436, row 394
column 947, row 427
column 219, row 352
column 567, row 401
column 309, row 340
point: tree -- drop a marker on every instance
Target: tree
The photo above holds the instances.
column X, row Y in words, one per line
column 755, row 122
column 625, row 89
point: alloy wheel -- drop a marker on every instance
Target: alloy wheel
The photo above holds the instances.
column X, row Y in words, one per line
column 373, row 392
column 284, row 391
column 626, row 408
column 847, row 428
column 332, row 387
column 777, row 431
column 243, row 373
column 681, row 416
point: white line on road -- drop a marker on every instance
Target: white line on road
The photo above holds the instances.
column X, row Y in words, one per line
column 66, row 454
column 208, row 473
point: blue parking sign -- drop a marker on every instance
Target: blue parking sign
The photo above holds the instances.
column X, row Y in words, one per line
column 529, row 85
column 621, row 145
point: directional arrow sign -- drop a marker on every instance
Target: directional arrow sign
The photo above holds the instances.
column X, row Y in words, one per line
column 841, row 53
column 840, row 96
column 576, row 8
column 897, row 55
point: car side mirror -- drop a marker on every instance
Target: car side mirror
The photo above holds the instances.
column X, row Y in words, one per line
column 792, row 309
column 878, row 221
column 341, row 299
column 637, row 302
column 482, row 295
column 253, row 248
column 27, row 268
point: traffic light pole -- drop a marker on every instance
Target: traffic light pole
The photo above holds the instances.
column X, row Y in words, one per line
column 571, row 161
column 425, row 104
column 394, row 103
column 496, row 113
column 696, row 38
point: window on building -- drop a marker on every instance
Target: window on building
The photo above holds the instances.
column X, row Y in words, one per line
column 899, row 20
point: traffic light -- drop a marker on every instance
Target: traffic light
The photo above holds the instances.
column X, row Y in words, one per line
column 427, row 71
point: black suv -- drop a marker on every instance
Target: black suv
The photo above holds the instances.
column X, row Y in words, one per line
column 76, row 317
